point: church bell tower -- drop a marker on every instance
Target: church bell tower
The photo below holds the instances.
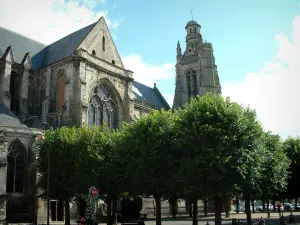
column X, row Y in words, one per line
column 196, row 71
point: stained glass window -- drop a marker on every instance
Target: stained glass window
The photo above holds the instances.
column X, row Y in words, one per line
column 102, row 108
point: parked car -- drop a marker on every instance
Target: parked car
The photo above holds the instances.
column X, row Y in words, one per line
column 293, row 206
column 287, row 206
column 241, row 208
column 260, row 208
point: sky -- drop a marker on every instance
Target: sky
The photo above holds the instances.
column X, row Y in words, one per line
column 256, row 44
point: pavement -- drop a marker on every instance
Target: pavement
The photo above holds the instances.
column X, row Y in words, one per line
column 273, row 220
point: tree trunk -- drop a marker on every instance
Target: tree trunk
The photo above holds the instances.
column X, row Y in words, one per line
column 114, row 212
column 228, row 207
column 195, row 212
column 248, row 210
column 218, row 211
column 252, row 204
column 158, row 210
column 67, row 212
column 190, row 209
column 186, row 206
column 268, row 208
column 109, row 212
column 274, row 205
column 154, row 207
column 296, row 200
column 263, row 205
column 237, row 205
column 173, row 206
column 205, row 206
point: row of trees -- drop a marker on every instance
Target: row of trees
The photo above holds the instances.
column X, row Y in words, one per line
column 212, row 149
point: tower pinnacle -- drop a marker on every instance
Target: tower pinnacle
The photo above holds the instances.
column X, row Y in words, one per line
column 196, row 71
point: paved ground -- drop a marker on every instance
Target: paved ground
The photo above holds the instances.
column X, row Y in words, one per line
column 273, row 220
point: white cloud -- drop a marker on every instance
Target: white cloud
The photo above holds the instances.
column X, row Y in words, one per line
column 49, row 20
column 274, row 90
column 146, row 73
column 117, row 23
column 149, row 74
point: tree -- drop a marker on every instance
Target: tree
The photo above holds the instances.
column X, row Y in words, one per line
column 292, row 148
column 60, row 145
column 148, row 152
column 110, row 170
column 275, row 165
column 218, row 136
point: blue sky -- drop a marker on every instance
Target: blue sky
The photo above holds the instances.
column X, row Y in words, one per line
column 256, row 43
column 242, row 33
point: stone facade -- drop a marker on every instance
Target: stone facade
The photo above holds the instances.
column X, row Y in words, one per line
column 196, row 71
column 79, row 80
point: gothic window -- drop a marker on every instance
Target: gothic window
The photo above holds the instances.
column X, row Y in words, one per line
column 194, row 75
column 190, row 30
column 113, row 62
column 188, row 78
column 16, row 160
column 102, row 108
column 93, row 52
column 103, row 43
column 195, row 29
column 60, row 92
column 14, row 90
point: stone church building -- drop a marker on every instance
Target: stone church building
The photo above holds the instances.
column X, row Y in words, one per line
column 79, row 80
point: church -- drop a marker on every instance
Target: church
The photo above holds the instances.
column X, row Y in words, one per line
column 79, row 80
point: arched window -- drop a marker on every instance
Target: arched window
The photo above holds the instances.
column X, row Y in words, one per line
column 16, row 160
column 188, row 78
column 60, row 92
column 195, row 87
column 103, row 43
column 93, row 52
column 14, row 90
column 102, row 109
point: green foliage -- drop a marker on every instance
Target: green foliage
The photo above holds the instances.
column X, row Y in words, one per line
column 219, row 138
column 147, row 150
column 275, row 165
column 79, row 158
column 292, row 149
column 59, row 147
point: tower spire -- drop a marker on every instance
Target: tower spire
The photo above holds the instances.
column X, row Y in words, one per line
column 192, row 14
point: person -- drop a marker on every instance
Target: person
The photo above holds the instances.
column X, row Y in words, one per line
column 279, row 208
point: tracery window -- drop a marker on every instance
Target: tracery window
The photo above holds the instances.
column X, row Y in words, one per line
column 102, row 109
column 188, row 78
column 16, row 160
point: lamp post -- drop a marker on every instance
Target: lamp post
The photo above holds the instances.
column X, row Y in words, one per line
column 48, row 169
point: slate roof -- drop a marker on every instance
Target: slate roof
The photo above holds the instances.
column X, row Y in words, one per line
column 8, row 118
column 19, row 43
column 61, row 48
column 149, row 95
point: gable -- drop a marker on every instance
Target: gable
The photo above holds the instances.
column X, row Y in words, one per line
column 150, row 95
column 19, row 44
column 94, row 40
